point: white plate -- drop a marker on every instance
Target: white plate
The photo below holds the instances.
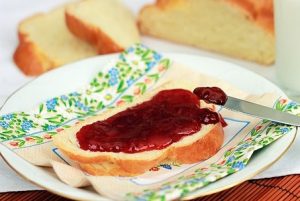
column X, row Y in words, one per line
column 73, row 76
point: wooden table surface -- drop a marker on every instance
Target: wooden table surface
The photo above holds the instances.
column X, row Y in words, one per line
column 281, row 188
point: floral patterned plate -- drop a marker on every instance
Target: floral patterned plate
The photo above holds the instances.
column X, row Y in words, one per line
column 74, row 76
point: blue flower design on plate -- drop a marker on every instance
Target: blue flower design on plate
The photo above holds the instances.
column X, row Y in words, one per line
column 4, row 124
column 194, row 180
column 157, row 56
column 230, row 159
column 292, row 104
column 243, row 146
column 150, row 65
column 78, row 104
column 113, row 72
column 51, row 104
column 49, row 127
column 198, row 180
column 7, row 116
column 85, row 108
column 131, row 49
column 238, row 165
column 113, row 81
column 75, row 94
column 26, row 125
column 81, row 106
column 64, row 97
column 284, row 130
column 121, row 56
column 130, row 82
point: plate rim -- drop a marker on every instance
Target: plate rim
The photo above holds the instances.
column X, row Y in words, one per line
column 69, row 196
column 62, row 68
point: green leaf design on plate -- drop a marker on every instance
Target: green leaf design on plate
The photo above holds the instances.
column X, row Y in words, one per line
column 121, row 87
column 127, row 98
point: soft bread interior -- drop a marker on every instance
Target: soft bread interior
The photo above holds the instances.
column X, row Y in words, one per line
column 111, row 17
column 50, row 34
column 210, row 24
column 67, row 140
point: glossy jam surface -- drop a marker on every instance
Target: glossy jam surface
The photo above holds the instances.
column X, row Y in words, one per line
column 211, row 95
column 152, row 125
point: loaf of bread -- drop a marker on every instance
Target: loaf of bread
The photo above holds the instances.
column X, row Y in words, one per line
column 46, row 43
column 238, row 28
column 189, row 149
column 107, row 25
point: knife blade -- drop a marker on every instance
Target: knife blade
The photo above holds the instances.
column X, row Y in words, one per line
column 260, row 111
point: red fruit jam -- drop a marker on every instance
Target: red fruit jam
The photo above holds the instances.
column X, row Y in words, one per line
column 152, row 125
column 211, row 95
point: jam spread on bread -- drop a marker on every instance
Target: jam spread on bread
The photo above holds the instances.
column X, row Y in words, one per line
column 211, row 95
column 152, row 125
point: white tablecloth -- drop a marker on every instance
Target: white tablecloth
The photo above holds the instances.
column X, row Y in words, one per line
column 12, row 11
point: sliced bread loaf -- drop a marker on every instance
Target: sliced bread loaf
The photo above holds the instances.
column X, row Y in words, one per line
column 46, row 43
column 108, row 25
column 238, row 28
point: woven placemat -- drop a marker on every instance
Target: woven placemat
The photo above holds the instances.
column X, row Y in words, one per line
column 281, row 188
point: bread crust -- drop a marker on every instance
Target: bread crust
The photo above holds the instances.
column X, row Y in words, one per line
column 200, row 150
column 91, row 34
column 30, row 60
column 261, row 12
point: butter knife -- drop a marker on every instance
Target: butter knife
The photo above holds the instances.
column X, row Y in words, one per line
column 260, row 111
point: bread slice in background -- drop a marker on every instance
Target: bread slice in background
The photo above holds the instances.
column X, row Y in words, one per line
column 106, row 24
column 238, row 28
column 190, row 149
column 46, row 43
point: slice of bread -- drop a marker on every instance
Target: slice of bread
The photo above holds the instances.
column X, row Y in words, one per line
column 190, row 149
column 45, row 43
column 238, row 28
column 108, row 25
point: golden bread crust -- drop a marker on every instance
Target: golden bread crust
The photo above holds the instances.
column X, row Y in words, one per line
column 121, row 167
column 202, row 149
column 262, row 12
column 165, row 4
column 46, row 43
column 93, row 35
column 29, row 59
